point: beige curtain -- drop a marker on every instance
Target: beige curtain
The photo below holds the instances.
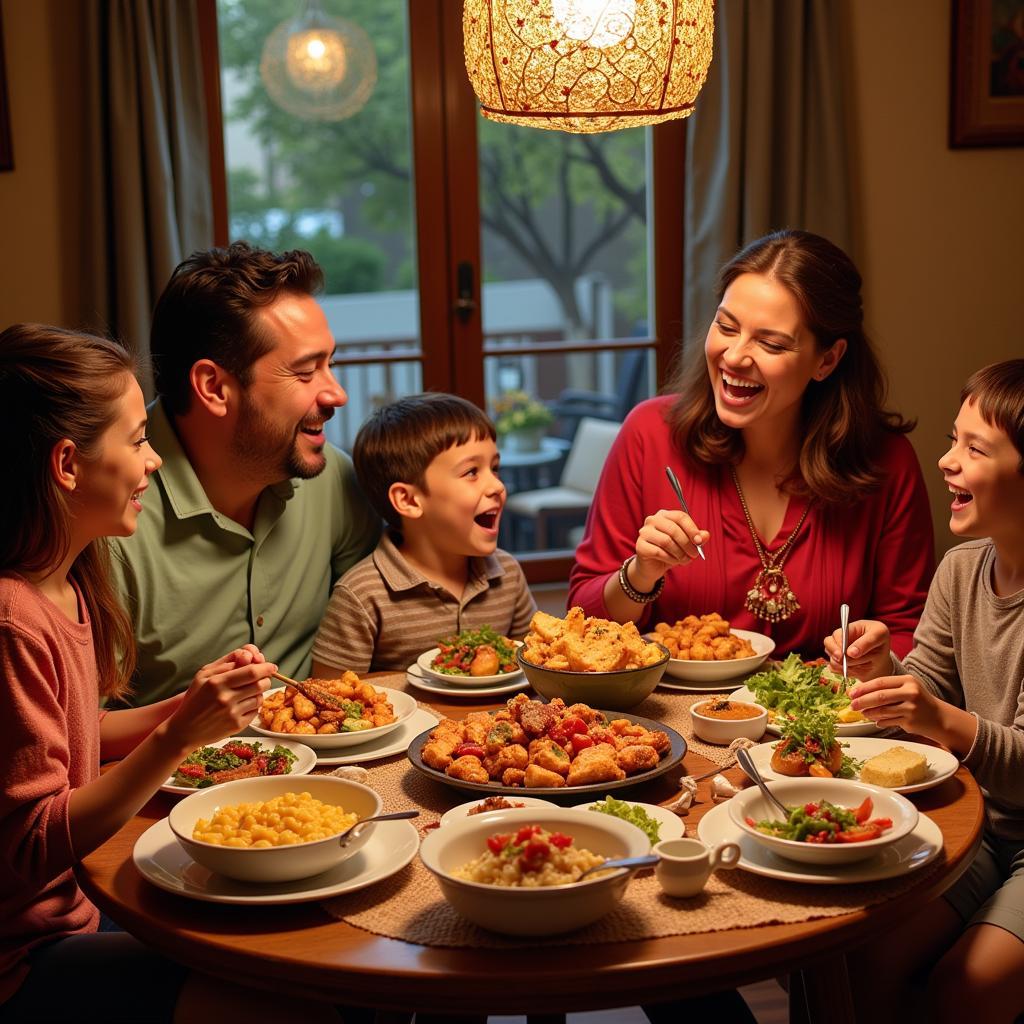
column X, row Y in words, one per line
column 147, row 177
column 766, row 144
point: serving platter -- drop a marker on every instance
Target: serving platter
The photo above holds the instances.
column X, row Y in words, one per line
column 677, row 750
column 941, row 763
column 864, row 728
column 908, row 854
column 404, row 705
column 162, row 861
column 305, row 760
column 707, row 676
column 415, row 677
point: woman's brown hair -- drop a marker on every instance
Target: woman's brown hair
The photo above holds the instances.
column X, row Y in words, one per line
column 57, row 384
column 843, row 417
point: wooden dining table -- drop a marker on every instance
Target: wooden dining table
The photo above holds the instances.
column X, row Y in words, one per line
column 301, row 948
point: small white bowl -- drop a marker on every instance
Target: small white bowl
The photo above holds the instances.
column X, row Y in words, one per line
column 545, row 910
column 402, row 702
column 712, row 671
column 462, row 810
column 749, row 803
column 724, row 731
column 273, row 863
column 425, row 659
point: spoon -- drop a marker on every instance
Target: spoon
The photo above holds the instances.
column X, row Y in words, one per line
column 844, row 625
column 747, row 764
column 646, row 861
column 350, row 833
column 673, row 480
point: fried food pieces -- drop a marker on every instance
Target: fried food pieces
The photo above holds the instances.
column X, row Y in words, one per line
column 580, row 644
column 707, row 638
column 350, row 705
column 542, row 746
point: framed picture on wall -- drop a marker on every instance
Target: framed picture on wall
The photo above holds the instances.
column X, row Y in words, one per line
column 6, row 153
column 987, row 87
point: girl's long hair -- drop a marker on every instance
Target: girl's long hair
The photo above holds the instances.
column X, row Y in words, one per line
column 843, row 418
column 57, row 384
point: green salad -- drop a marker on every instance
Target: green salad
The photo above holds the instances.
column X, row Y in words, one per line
column 793, row 687
column 629, row 812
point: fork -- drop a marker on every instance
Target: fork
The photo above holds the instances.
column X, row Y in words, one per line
column 673, row 480
column 844, row 625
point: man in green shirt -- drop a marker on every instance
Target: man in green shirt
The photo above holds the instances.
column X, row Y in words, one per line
column 253, row 515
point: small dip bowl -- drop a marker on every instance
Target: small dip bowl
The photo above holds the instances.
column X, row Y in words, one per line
column 720, row 720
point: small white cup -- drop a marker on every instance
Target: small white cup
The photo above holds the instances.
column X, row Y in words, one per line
column 684, row 864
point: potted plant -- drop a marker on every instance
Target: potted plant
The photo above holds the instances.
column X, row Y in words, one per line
column 521, row 421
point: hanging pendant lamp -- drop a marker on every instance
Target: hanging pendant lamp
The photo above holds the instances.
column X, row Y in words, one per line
column 587, row 65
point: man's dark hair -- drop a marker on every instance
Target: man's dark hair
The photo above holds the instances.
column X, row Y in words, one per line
column 210, row 308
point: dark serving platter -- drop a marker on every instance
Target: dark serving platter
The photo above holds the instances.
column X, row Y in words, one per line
column 676, row 752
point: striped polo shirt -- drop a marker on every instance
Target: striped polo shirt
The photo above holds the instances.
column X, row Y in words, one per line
column 383, row 613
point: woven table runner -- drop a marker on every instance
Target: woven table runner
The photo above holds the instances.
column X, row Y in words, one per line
column 409, row 905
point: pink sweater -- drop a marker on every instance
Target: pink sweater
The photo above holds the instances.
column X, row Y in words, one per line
column 876, row 554
column 50, row 738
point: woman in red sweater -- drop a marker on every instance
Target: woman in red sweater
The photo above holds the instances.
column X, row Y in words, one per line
column 802, row 489
column 76, row 462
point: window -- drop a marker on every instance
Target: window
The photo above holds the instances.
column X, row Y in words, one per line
column 536, row 273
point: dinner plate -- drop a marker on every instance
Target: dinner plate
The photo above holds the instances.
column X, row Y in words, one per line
column 303, row 764
column 396, row 742
column 466, row 682
column 864, row 728
column 432, row 684
column 908, row 854
column 403, row 704
column 462, row 810
column 161, row 860
column 941, row 763
column 706, row 675
column 677, row 751
column 670, row 826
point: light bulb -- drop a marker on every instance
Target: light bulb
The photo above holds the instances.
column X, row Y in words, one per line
column 599, row 23
column 316, row 59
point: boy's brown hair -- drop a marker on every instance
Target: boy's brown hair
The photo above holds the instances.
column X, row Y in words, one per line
column 399, row 441
column 998, row 391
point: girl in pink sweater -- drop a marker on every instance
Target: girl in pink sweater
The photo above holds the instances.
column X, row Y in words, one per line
column 77, row 463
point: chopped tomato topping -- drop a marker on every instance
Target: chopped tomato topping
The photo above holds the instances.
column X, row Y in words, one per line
column 526, row 833
column 560, row 839
column 497, row 843
column 580, row 741
column 860, row 834
column 471, row 750
column 864, row 811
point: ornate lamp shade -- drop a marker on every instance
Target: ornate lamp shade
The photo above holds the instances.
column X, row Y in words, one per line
column 587, row 65
column 319, row 67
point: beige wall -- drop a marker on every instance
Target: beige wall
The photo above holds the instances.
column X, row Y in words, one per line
column 939, row 230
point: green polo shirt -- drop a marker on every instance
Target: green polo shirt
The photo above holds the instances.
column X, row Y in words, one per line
column 196, row 584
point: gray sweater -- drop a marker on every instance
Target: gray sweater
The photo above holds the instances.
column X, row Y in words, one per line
column 969, row 651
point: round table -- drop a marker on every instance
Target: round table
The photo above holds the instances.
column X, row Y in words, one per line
column 299, row 947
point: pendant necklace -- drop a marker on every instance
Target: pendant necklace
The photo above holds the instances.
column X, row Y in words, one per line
column 770, row 598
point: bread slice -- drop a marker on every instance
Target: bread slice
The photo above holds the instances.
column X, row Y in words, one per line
column 894, row 767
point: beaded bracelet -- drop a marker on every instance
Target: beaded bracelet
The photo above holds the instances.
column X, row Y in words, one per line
column 638, row 596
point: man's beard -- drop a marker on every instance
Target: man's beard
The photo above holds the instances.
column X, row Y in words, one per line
column 266, row 450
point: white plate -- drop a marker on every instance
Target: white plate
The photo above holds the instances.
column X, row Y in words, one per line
column 462, row 810
column 670, row 826
column 305, row 759
column 162, row 861
column 396, row 742
column 941, row 763
column 403, row 704
column 864, row 728
column 466, row 682
column 908, row 854
column 704, row 673
column 415, row 677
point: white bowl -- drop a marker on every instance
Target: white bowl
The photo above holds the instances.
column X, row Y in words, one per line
column 724, row 731
column 469, row 682
column 402, row 702
column 711, row 671
column 461, row 811
column 841, row 792
column 545, row 910
column 274, row 863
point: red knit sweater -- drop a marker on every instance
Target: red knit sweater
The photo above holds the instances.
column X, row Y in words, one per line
column 50, row 738
column 877, row 554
